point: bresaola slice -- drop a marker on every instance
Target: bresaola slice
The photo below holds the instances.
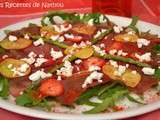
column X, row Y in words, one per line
column 73, row 87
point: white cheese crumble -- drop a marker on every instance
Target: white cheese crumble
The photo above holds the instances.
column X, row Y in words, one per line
column 62, row 28
column 118, row 52
column 93, row 76
column 120, row 71
column 12, row 38
column 66, row 70
column 56, row 54
column 71, row 36
column 40, row 61
column 113, row 63
column 38, row 42
column 31, row 58
column 99, row 32
column 20, row 71
column 78, row 61
column 54, row 37
column 40, row 74
column 102, row 45
column 142, row 42
column 113, row 52
column 99, row 50
column 94, row 68
column 144, row 57
column 58, row 20
column 5, row 56
column 59, row 78
column 148, row 71
column 117, row 29
column 23, row 68
column 26, row 36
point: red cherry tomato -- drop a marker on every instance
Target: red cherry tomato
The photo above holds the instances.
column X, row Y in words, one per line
column 51, row 87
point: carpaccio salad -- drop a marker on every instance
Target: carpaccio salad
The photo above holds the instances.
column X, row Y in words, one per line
column 80, row 63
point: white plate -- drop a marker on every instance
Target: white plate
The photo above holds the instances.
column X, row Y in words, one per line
column 143, row 26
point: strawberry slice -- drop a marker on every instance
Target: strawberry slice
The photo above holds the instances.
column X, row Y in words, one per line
column 51, row 87
column 93, row 61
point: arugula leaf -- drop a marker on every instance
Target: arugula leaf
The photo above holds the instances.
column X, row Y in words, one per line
column 133, row 24
column 87, row 95
column 109, row 100
column 156, row 48
column 24, row 100
column 157, row 74
column 132, row 99
column 4, row 87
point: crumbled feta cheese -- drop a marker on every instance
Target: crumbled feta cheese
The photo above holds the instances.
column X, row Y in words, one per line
column 62, row 28
column 94, row 68
column 23, row 68
column 71, row 36
column 56, row 54
column 12, row 38
column 61, row 39
column 78, row 61
column 131, row 33
column 145, row 57
column 117, row 29
column 102, row 45
column 98, row 50
column 121, row 53
column 120, row 71
column 113, row 63
column 97, row 34
column 93, row 76
column 4, row 56
column 82, row 44
column 54, row 37
column 59, row 78
column 26, row 36
column 40, row 61
column 38, row 42
column 58, row 20
column 66, row 70
column 113, row 52
column 20, row 71
column 148, row 71
column 10, row 66
column 142, row 42
column 40, row 74
column 32, row 54
column 134, row 72
column 91, row 22
column 30, row 60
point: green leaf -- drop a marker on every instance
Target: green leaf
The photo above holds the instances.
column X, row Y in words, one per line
column 87, row 95
column 157, row 73
column 4, row 87
column 109, row 100
column 132, row 99
column 24, row 100
column 133, row 24
column 156, row 48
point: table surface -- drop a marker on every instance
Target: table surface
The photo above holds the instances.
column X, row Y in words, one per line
column 6, row 115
